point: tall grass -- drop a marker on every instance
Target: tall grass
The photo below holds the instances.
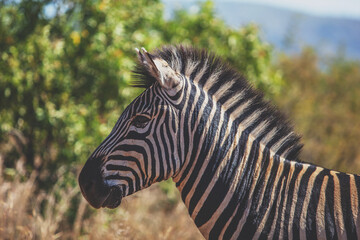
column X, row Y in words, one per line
column 29, row 213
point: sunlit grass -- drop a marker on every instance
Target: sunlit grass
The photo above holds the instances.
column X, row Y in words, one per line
column 27, row 213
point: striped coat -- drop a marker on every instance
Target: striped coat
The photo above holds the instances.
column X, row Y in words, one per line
column 231, row 154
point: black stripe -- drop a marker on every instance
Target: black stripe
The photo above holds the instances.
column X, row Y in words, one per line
column 170, row 118
column 250, row 220
column 274, row 208
column 187, row 139
column 300, row 200
column 313, row 205
column 283, row 195
column 166, row 145
column 195, row 114
column 218, row 84
column 121, row 158
column 157, row 162
column 214, row 160
column 250, row 228
column 344, row 182
column 141, row 150
column 226, row 178
column 298, row 167
column 204, row 149
column 127, row 179
column 249, row 97
column 330, row 226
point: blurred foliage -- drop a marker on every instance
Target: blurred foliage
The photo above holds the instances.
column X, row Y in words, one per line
column 242, row 48
column 323, row 99
column 64, row 78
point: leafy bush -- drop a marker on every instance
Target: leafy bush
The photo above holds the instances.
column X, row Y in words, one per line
column 323, row 100
column 63, row 83
column 64, row 80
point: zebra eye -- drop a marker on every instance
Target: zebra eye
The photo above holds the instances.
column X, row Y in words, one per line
column 140, row 121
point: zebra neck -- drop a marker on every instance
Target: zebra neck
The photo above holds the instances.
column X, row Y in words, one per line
column 300, row 201
column 219, row 175
column 265, row 194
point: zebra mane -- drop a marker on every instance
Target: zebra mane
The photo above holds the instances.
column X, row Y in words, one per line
column 193, row 62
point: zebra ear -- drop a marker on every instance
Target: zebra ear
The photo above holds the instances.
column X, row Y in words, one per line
column 160, row 69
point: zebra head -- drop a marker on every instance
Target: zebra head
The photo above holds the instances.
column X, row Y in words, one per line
column 142, row 148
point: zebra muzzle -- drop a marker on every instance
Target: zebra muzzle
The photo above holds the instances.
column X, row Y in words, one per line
column 94, row 189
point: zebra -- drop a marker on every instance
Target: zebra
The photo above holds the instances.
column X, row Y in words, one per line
column 233, row 156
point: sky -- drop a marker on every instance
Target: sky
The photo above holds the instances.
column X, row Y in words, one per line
column 335, row 8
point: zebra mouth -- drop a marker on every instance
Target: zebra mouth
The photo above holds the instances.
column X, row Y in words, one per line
column 113, row 200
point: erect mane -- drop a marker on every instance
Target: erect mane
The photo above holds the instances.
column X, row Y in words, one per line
column 209, row 71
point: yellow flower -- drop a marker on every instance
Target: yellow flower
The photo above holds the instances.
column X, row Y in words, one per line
column 75, row 36
column 102, row 5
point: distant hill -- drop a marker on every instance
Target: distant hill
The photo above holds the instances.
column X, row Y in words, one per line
column 289, row 30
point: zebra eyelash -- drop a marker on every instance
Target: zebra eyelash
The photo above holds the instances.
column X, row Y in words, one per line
column 140, row 121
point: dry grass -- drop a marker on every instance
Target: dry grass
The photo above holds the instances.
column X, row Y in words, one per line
column 27, row 213
column 145, row 215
